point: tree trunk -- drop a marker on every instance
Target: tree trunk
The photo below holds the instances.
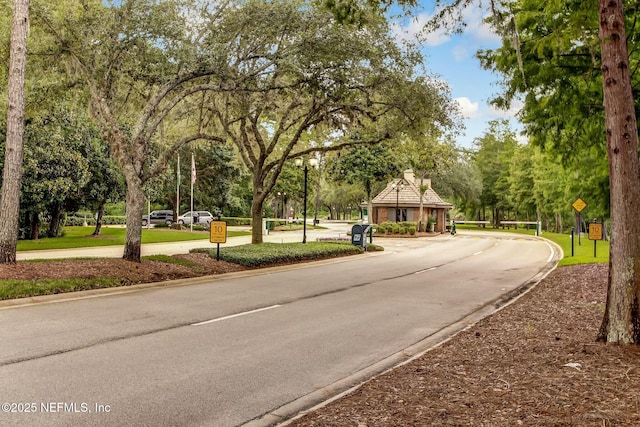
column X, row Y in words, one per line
column 256, row 220
column 54, row 223
column 621, row 323
column 558, row 227
column 99, row 215
column 135, row 210
column 257, row 205
column 34, row 223
column 12, row 173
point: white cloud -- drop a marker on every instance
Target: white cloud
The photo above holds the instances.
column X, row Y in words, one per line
column 461, row 52
column 476, row 30
column 479, row 30
column 469, row 110
column 522, row 139
column 516, row 106
column 413, row 31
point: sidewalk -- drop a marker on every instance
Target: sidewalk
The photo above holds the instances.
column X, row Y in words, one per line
column 333, row 230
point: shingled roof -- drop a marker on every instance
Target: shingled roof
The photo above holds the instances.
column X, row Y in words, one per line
column 409, row 194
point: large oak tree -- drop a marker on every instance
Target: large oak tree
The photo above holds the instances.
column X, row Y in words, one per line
column 134, row 58
column 296, row 83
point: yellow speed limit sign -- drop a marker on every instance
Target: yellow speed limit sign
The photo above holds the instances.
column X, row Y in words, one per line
column 218, row 232
column 596, row 231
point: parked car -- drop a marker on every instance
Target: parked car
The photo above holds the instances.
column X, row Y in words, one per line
column 158, row 217
column 200, row 217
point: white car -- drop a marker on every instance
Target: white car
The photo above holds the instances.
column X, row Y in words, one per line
column 200, row 217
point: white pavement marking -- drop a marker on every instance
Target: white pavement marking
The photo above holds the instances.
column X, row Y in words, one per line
column 552, row 251
column 219, row 319
column 425, row 270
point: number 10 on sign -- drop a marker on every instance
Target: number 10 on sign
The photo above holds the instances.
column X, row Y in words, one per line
column 218, row 234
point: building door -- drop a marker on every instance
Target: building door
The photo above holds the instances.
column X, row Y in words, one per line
column 397, row 215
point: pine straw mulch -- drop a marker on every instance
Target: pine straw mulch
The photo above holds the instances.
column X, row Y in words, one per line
column 534, row 363
column 128, row 272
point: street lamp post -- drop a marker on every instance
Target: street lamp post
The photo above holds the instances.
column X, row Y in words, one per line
column 277, row 214
column 313, row 163
column 284, row 204
column 280, row 211
column 397, row 187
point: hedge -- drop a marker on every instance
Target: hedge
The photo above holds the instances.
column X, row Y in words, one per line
column 90, row 220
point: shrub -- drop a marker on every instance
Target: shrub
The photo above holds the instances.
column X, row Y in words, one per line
column 381, row 229
column 431, row 220
column 403, row 229
column 72, row 221
column 273, row 253
column 374, row 248
column 395, row 229
column 236, row 221
column 412, row 230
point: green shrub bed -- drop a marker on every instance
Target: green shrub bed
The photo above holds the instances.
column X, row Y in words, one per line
column 264, row 254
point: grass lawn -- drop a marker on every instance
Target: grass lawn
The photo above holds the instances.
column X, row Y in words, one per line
column 582, row 248
column 80, row 237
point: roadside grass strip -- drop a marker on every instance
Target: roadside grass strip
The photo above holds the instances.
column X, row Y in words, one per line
column 10, row 289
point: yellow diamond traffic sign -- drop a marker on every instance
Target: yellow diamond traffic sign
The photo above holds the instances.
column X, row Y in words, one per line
column 579, row 204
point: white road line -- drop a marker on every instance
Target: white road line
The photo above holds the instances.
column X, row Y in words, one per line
column 552, row 251
column 219, row 319
column 425, row 270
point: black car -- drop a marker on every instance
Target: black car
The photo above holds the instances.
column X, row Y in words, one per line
column 158, row 217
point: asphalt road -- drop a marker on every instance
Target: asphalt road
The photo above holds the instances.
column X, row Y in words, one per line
column 258, row 346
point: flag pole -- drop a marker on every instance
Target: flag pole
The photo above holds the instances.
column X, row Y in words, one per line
column 193, row 180
column 178, row 191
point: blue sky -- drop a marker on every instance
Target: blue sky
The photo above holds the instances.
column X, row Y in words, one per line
column 451, row 57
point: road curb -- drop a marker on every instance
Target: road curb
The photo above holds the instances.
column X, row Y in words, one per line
column 118, row 290
column 319, row 398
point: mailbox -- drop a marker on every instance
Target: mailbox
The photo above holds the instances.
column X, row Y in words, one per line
column 359, row 234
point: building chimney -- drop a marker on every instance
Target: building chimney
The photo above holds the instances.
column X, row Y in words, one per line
column 409, row 176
